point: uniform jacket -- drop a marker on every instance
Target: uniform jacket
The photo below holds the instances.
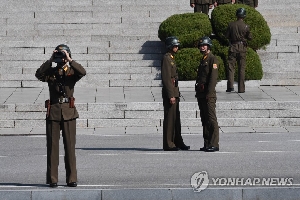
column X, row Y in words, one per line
column 238, row 32
column 208, row 76
column 224, row 1
column 168, row 76
column 252, row 3
column 201, row 1
column 73, row 74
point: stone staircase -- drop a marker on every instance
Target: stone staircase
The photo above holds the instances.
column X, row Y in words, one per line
column 118, row 45
column 281, row 59
column 117, row 42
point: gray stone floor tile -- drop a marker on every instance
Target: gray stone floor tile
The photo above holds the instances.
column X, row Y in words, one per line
column 270, row 130
column 237, row 130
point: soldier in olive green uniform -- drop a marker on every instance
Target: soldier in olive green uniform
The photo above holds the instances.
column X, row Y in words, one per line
column 252, row 3
column 202, row 5
column 61, row 112
column 237, row 33
column 172, row 140
column 222, row 2
column 207, row 77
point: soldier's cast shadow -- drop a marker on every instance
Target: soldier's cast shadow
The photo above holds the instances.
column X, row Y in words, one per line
column 154, row 51
column 23, row 185
column 120, row 149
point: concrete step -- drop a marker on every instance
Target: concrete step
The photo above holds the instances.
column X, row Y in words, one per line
column 108, row 38
column 149, row 114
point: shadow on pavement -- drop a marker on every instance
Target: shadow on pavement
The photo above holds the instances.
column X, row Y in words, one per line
column 24, row 185
column 119, row 149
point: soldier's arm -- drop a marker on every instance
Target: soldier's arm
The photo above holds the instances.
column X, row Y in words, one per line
column 166, row 76
column 213, row 77
column 227, row 35
column 41, row 73
column 78, row 69
column 248, row 33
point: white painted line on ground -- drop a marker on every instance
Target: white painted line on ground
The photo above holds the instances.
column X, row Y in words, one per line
column 279, row 141
column 224, row 152
column 270, row 151
column 126, row 153
column 106, row 154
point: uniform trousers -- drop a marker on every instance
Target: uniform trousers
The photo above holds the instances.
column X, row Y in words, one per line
column 204, row 8
column 171, row 125
column 209, row 121
column 240, row 59
column 247, row 2
column 69, row 140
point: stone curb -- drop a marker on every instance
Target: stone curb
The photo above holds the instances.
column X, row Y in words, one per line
column 274, row 193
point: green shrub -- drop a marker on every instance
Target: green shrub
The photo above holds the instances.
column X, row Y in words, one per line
column 253, row 69
column 259, row 28
column 188, row 27
column 220, row 50
column 187, row 62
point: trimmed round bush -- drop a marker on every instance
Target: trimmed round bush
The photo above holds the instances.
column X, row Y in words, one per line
column 188, row 27
column 220, row 50
column 187, row 62
column 253, row 69
column 222, row 15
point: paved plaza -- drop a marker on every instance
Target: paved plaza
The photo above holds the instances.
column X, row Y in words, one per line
column 131, row 163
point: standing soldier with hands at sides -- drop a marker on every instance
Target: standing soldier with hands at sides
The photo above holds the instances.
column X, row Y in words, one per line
column 207, row 77
column 238, row 32
column 61, row 112
column 172, row 139
column 222, row 2
column 202, row 5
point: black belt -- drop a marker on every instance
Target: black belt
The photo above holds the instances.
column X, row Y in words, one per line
column 59, row 100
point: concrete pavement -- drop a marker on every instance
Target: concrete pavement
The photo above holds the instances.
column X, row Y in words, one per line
column 133, row 166
column 128, row 162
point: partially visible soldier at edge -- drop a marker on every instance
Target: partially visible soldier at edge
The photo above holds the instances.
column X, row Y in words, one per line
column 205, row 87
column 222, row 2
column 61, row 112
column 202, row 6
column 252, row 3
column 172, row 139
column 238, row 32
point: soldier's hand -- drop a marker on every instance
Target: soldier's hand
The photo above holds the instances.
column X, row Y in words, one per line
column 172, row 100
column 202, row 87
column 52, row 56
column 68, row 58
